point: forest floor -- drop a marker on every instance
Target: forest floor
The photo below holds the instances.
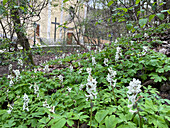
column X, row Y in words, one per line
column 39, row 59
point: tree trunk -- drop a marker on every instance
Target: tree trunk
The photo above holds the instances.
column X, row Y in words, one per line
column 22, row 39
column 166, row 7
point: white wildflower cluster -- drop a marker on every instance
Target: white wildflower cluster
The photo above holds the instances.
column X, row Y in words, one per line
column 46, row 105
column 69, row 89
column 146, row 35
column 60, row 62
column 10, row 67
column 145, row 49
column 35, row 70
column 91, row 88
column 89, row 48
column 71, row 68
column 100, row 49
column 118, row 53
column 80, row 70
column 79, row 64
column 110, row 77
column 60, row 78
column 116, row 41
column 17, row 74
column 81, row 86
column 106, row 61
column 10, row 109
column 131, row 42
column 52, row 109
column 36, row 89
column 11, row 82
column 46, row 68
column 56, row 57
column 93, row 61
column 134, row 89
column 20, row 63
column 63, row 55
column 26, row 100
column 89, row 70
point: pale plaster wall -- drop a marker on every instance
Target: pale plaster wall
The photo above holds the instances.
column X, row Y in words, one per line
column 43, row 22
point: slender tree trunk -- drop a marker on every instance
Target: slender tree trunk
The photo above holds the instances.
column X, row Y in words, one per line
column 22, row 39
column 166, row 7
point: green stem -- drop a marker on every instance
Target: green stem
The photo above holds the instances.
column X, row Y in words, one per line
column 78, row 124
column 114, row 95
column 91, row 115
column 140, row 125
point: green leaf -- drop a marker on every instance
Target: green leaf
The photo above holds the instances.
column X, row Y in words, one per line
column 151, row 17
column 142, row 22
column 4, row 2
column 102, row 126
column 59, row 124
column 65, row 1
column 110, row 3
column 161, row 4
column 96, row 23
column 124, row 9
column 70, row 122
column 137, row 1
column 100, row 115
column 160, row 15
column 167, row 117
column 111, row 121
column 22, row 8
column 168, row 11
column 129, row 26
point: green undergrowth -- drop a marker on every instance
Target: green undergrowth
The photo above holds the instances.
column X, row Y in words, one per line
column 52, row 104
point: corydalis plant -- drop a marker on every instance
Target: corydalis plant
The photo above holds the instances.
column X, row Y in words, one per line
column 10, row 68
column 46, row 68
column 89, row 48
column 134, row 89
column 91, row 88
column 93, row 61
column 110, row 77
column 81, row 86
column 26, row 100
column 10, row 109
column 60, row 78
column 80, row 71
column 17, row 74
column 20, row 63
column 36, row 89
column 106, row 61
column 69, row 89
column 92, row 93
column 89, row 70
column 11, row 82
column 145, row 49
column 118, row 53
column 71, row 68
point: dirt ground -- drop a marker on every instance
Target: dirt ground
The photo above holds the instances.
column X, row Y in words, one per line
column 38, row 59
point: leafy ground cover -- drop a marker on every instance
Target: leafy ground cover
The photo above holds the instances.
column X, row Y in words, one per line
column 106, row 88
